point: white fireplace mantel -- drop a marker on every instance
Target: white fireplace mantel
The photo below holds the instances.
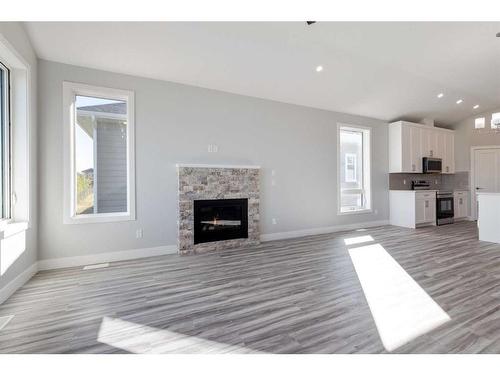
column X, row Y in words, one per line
column 181, row 165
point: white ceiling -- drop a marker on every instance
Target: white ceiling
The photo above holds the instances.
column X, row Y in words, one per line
column 382, row 70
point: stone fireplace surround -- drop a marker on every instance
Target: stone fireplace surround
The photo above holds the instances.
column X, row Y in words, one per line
column 206, row 181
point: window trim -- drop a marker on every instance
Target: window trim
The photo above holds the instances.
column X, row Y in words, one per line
column 23, row 161
column 6, row 168
column 366, row 166
column 70, row 90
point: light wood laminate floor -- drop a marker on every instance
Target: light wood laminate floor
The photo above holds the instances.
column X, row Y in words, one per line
column 292, row 296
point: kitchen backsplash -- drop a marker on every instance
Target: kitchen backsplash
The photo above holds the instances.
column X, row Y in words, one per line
column 459, row 180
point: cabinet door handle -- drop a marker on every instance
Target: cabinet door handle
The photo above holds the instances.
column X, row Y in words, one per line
column 447, row 169
column 431, row 153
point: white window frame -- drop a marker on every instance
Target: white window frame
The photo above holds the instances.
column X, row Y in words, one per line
column 22, row 138
column 70, row 91
column 366, row 191
column 6, row 169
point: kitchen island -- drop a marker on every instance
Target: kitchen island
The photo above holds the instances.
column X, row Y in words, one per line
column 488, row 220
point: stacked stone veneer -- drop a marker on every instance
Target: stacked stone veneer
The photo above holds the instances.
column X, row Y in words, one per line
column 216, row 183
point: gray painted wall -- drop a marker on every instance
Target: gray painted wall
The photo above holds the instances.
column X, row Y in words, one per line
column 466, row 136
column 175, row 123
column 14, row 33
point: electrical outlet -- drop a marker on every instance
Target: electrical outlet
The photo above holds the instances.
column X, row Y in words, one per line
column 213, row 148
column 138, row 233
column 275, row 221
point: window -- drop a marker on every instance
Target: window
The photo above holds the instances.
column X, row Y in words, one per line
column 350, row 168
column 4, row 142
column 479, row 123
column 495, row 120
column 354, row 169
column 99, row 160
column 16, row 154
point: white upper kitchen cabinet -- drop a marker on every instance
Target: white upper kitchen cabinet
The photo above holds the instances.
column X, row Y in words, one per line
column 428, row 143
column 449, row 153
column 410, row 142
column 440, row 144
column 405, row 148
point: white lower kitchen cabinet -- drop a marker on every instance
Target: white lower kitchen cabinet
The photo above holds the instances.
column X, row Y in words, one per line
column 412, row 208
column 461, row 204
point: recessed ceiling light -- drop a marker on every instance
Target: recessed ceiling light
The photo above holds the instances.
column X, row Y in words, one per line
column 319, row 68
column 476, row 106
column 460, row 101
column 440, row 95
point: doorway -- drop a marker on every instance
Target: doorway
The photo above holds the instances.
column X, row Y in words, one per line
column 485, row 172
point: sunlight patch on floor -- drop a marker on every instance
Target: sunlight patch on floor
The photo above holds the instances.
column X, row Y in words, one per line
column 4, row 320
column 357, row 240
column 401, row 309
column 141, row 339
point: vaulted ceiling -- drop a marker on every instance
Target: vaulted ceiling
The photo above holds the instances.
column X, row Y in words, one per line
column 382, row 70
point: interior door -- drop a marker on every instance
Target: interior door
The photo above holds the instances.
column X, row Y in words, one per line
column 486, row 174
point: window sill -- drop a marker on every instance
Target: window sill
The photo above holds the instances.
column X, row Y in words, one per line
column 10, row 228
column 99, row 218
column 364, row 211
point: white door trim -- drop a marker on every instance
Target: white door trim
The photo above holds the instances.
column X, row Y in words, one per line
column 473, row 202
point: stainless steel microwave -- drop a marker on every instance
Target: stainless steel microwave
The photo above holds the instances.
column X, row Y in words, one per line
column 432, row 165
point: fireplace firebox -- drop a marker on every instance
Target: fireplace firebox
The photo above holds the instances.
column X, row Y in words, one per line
column 220, row 219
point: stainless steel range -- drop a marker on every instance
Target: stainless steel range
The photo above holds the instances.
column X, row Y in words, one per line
column 444, row 207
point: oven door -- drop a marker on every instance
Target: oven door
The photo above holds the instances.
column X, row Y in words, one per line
column 444, row 209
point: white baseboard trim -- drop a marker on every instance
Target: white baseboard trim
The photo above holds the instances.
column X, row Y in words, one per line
column 323, row 230
column 114, row 256
column 18, row 282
